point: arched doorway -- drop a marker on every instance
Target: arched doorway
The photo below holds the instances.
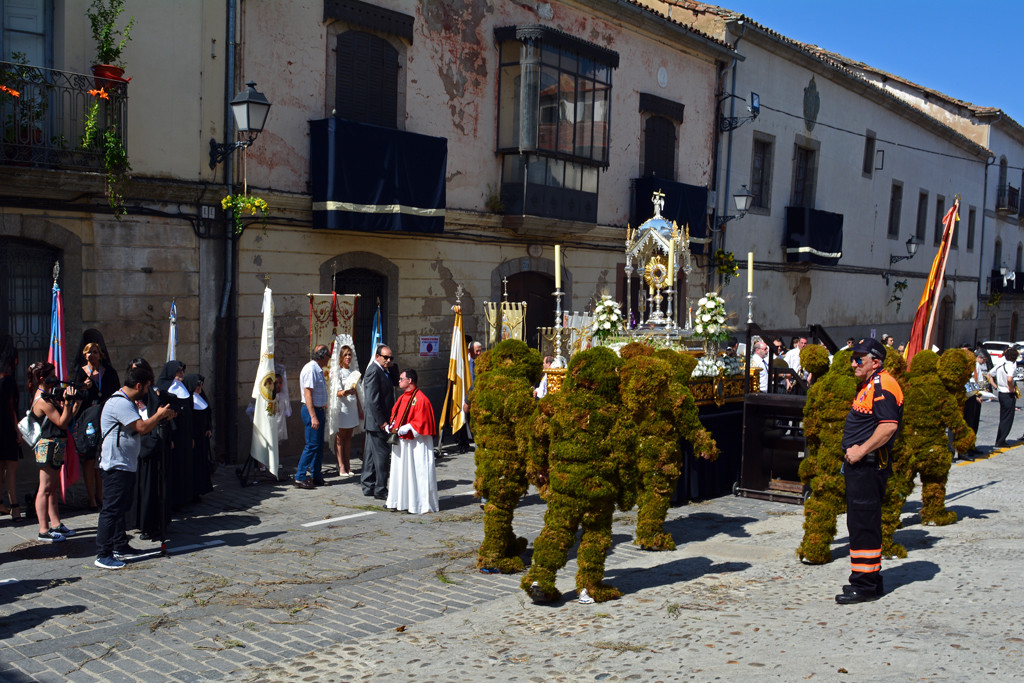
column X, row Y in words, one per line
column 535, row 289
column 26, row 284
column 372, row 287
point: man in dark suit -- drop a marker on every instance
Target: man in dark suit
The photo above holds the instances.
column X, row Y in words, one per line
column 379, row 393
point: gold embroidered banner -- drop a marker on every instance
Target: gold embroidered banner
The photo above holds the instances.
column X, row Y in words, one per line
column 493, row 322
column 513, row 320
column 330, row 315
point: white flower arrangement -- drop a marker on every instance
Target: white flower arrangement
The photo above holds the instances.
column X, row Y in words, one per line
column 709, row 320
column 709, row 325
column 608, row 320
column 712, row 366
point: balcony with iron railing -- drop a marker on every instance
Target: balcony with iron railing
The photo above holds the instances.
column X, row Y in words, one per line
column 44, row 114
column 1008, row 199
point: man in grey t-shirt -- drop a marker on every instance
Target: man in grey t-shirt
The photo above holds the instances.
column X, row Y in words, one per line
column 122, row 428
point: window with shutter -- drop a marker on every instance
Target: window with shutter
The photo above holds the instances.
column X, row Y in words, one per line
column 367, row 79
column 660, row 148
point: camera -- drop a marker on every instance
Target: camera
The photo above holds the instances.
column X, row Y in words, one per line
column 54, row 384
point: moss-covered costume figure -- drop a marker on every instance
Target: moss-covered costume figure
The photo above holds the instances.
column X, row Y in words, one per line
column 892, row 503
column 582, row 473
column 828, row 403
column 658, row 412
column 502, row 401
column 929, row 409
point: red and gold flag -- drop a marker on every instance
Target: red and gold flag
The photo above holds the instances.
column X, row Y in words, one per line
column 924, row 319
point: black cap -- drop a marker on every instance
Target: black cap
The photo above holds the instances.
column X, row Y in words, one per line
column 872, row 347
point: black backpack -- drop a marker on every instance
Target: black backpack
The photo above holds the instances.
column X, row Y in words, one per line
column 87, row 431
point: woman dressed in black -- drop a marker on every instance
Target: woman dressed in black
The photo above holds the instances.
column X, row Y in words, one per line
column 202, row 422
column 180, row 462
column 100, row 379
column 151, row 502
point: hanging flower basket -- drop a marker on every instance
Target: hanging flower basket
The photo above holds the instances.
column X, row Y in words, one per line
column 725, row 264
column 240, row 204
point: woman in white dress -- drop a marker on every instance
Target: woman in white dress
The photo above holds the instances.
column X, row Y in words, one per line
column 345, row 407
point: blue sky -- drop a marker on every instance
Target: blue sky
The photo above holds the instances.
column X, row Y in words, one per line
column 967, row 50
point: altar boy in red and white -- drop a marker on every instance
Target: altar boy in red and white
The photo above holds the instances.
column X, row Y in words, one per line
column 413, row 484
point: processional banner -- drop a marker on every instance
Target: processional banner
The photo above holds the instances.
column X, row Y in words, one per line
column 330, row 315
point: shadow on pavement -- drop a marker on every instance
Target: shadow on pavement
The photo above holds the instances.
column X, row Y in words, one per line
column 703, row 525
column 33, row 617
column 684, row 569
column 906, row 573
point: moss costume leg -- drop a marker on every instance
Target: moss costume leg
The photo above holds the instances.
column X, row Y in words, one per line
column 933, row 498
column 551, row 549
column 827, row 500
column 500, row 549
column 594, row 546
column 901, row 484
column 653, row 508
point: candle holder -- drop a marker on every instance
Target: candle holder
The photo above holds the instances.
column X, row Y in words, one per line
column 670, row 323
column 657, row 317
column 558, row 293
column 750, row 308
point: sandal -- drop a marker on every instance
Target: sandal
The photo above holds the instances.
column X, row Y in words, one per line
column 16, row 513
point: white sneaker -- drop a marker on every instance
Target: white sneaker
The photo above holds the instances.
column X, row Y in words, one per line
column 585, row 598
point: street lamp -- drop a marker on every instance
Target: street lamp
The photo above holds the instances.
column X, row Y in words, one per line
column 742, row 200
column 250, row 108
column 912, row 244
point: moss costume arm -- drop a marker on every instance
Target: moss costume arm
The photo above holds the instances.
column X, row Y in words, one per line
column 534, row 437
column 963, row 436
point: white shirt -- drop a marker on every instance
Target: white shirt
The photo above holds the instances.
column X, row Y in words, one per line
column 764, row 371
column 312, row 377
column 793, row 359
column 1004, row 376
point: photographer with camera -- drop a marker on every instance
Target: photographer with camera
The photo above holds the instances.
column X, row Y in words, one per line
column 123, row 427
column 54, row 404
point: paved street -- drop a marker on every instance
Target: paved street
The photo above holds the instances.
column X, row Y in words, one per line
column 273, row 583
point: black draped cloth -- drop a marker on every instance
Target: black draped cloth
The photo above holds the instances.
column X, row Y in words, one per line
column 151, row 484
column 179, row 461
column 202, row 423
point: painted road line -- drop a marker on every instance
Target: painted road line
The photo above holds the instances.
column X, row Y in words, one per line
column 458, row 494
column 194, row 546
column 340, row 519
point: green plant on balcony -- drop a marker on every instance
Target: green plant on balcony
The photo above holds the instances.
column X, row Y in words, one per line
column 110, row 40
column 23, row 101
column 107, row 139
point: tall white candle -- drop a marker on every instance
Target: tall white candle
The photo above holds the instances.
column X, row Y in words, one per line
column 671, row 265
column 558, row 266
column 750, row 272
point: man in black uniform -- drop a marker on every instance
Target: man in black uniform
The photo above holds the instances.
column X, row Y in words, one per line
column 868, row 437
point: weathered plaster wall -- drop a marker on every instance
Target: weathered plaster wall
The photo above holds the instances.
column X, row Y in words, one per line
column 450, row 86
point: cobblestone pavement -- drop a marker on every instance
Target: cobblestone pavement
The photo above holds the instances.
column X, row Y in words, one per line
column 273, row 583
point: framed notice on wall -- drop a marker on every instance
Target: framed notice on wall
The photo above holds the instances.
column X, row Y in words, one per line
column 429, row 346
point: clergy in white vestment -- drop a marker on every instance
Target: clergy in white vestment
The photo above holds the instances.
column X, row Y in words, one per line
column 413, row 485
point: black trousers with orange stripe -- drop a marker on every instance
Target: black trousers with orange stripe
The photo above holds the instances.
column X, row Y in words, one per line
column 865, row 489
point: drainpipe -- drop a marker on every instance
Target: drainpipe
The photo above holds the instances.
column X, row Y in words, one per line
column 229, row 301
column 724, row 194
column 981, row 250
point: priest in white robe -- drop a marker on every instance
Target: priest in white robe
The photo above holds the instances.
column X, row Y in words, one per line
column 413, row 485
